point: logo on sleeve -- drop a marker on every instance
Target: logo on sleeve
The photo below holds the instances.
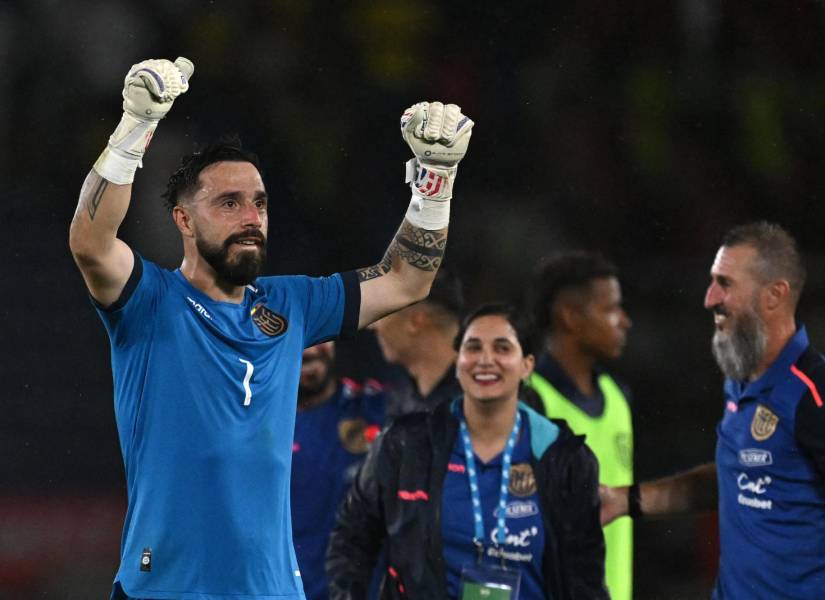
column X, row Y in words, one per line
column 764, row 423
column 268, row 321
column 522, row 480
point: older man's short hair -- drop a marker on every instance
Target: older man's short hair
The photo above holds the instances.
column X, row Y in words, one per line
column 778, row 252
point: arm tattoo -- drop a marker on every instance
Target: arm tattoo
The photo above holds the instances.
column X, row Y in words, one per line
column 418, row 247
column 94, row 201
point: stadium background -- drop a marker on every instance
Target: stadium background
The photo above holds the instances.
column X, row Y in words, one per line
column 641, row 129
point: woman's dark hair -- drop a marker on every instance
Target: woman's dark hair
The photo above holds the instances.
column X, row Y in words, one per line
column 523, row 327
column 519, row 321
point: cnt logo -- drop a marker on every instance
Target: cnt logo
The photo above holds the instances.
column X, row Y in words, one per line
column 758, row 487
column 199, row 308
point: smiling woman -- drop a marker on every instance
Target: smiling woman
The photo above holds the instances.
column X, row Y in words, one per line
column 475, row 485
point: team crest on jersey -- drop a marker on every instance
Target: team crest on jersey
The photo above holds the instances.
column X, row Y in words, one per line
column 764, row 423
column 352, row 433
column 522, row 480
column 268, row 321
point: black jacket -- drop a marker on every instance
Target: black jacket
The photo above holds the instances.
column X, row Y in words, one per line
column 396, row 499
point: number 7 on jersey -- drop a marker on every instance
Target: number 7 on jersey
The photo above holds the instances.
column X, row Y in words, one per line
column 250, row 368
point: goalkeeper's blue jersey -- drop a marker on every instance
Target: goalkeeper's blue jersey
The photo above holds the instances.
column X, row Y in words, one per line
column 205, row 396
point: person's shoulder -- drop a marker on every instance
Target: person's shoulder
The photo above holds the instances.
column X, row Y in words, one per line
column 810, row 368
column 147, row 278
column 601, row 371
column 274, row 282
column 548, row 433
column 573, row 446
column 812, row 363
column 147, row 267
column 365, row 395
column 302, row 284
column 420, row 423
column 409, row 422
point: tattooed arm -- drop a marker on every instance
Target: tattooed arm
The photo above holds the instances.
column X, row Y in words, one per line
column 405, row 273
column 104, row 261
column 149, row 90
column 438, row 135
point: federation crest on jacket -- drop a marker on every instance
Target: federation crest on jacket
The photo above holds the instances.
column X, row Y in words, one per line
column 522, row 480
column 763, row 424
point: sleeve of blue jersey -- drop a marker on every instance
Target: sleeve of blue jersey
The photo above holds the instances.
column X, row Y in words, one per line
column 331, row 305
column 129, row 318
column 810, row 418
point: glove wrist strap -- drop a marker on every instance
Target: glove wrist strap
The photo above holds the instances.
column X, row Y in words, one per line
column 432, row 188
column 431, row 215
column 124, row 153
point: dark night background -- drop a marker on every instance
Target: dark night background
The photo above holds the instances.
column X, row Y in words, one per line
column 641, row 129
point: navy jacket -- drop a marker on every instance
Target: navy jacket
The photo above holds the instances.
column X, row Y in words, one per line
column 396, row 499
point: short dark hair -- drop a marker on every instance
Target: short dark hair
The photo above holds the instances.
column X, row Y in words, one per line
column 778, row 251
column 559, row 273
column 518, row 320
column 447, row 292
column 185, row 179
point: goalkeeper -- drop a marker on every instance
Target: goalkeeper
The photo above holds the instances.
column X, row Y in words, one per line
column 206, row 358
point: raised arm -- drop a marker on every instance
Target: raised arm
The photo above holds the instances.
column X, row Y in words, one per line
column 687, row 492
column 105, row 261
column 438, row 135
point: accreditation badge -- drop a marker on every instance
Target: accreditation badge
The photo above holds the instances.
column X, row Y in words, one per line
column 487, row 582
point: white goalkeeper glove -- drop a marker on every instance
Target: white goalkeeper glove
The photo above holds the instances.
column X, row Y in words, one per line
column 438, row 134
column 149, row 90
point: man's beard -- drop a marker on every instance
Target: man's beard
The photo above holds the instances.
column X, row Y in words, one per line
column 247, row 265
column 739, row 352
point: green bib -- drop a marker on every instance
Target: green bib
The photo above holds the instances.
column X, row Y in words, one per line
column 610, row 437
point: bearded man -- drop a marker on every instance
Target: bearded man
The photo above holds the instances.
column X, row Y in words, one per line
column 206, row 359
column 769, row 473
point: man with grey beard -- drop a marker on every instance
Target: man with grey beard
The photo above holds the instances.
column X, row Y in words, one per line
column 769, row 473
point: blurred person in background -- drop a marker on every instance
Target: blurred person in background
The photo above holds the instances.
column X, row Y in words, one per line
column 337, row 420
column 576, row 302
column 206, row 358
column 420, row 339
column 768, row 479
column 480, row 496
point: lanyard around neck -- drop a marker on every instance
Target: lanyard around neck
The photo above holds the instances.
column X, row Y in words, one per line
column 472, row 474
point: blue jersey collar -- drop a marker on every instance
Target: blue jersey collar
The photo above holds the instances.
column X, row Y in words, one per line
column 777, row 372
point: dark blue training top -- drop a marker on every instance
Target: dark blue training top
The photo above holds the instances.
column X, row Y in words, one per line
column 770, row 459
column 331, row 441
